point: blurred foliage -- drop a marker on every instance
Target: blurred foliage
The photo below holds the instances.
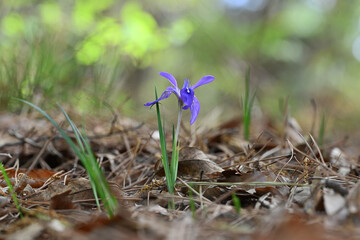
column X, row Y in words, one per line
column 88, row 52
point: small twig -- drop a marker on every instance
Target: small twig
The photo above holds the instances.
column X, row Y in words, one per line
column 292, row 155
column 318, row 149
column 315, row 160
column 194, row 191
column 248, row 183
column 308, row 145
column 54, row 177
column 172, row 196
column 24, row 139
column 261, row 149
column 37, row 158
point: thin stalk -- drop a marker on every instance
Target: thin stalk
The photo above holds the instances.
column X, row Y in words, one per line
column 170, row 171
column 164, row 157
column 178, row 123
column 176, row 147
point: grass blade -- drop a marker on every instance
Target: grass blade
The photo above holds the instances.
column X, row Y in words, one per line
column 236, row 202
column 97, row 176
column 11, row 189
column 84, row 159
column 86, row 156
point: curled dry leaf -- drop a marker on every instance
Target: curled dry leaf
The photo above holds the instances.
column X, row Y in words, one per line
column 196, row 167
column 231, row 175
column 61, row 201
column 193, row 163
column 76, row 189
column 35, row 178
column 187, row 153
column 248, row 196
column 79, row 188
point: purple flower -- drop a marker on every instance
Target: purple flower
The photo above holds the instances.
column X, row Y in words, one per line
column 186, row 95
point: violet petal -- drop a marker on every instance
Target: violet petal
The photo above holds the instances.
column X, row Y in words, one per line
column 186, row 83
column 164, row 95
column 170, row 77
column 174, row 90
column 195, row 109
column 204, row 80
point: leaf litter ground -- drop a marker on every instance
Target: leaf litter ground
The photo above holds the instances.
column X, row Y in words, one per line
column 288, row 186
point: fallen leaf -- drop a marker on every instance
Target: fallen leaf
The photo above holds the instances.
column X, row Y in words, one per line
column 61, row 201
column 75, row 189
column 35, row 178
column 193, row 163
column 79, row 189
column 231, row 175
column 187, row 153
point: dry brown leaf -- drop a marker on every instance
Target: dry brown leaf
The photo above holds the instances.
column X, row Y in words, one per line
column 35, row 178
column 214, row 192
column 193, row 163
column 61, row 201
column 78, row 188
column 187, row 153
column 231, row 175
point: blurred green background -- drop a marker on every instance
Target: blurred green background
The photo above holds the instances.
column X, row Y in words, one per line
column 89, row 53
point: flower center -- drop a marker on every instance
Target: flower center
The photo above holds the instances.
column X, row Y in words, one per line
column 187, row 90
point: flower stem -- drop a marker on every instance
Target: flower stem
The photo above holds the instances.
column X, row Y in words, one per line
column 178, row 123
